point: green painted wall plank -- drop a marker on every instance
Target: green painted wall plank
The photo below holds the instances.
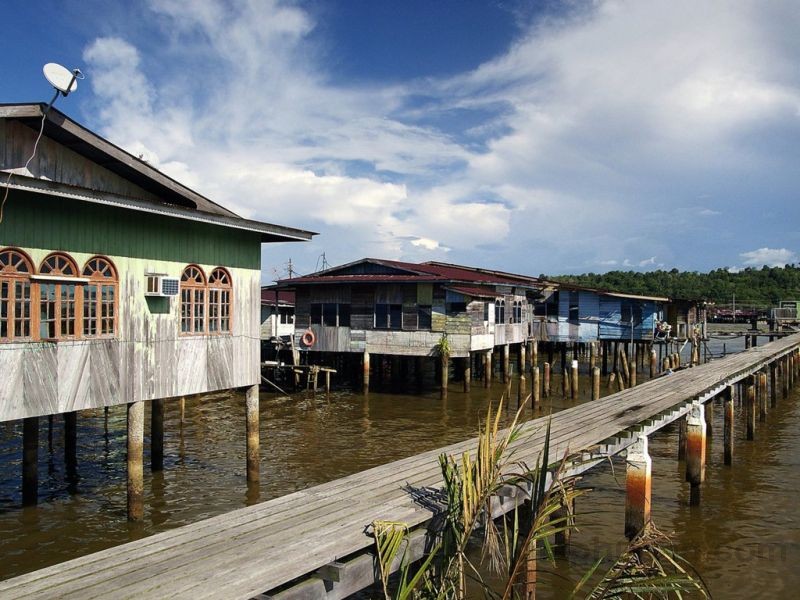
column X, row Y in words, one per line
column 39, row 221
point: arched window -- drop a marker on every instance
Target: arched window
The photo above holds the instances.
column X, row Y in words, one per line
column 220, row 300
column 193, row 300
column 499, row 311
column 58, row 298
column 15, row 295
column 100, row 298
column 518, row 311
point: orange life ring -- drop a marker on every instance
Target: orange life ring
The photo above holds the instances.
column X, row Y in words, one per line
column 308, row 338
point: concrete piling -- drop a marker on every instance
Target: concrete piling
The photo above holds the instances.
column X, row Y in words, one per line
column 365, row 372
column 638, row 487
column 695, row 451
column 575, row 381
column 135, row 460
column 253, row 436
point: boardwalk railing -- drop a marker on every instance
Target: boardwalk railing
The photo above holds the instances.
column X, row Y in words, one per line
column 314, row 543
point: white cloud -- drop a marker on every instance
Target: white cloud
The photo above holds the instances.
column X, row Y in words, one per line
column 771, row 257
column 605, row 126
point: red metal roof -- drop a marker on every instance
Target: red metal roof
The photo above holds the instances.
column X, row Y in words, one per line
column 284, row 297
column 474, row 292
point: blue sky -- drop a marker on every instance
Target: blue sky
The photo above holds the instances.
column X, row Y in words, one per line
column 537, row 137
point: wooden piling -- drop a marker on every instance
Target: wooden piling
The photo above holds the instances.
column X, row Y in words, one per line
column 695, row 451
column 523, row 363
column 534, row 352
column 746, row 342
column 575, row 380
column 536, row 387
column 750, row 407
column 365, row 372
column 682, row 438
column 445, row 374
column 762, row 396
column 595, row 383
column 157, row 435
column 773, row 384
column 785, row 377
column 604, row 351
column 30, row 461
column 592, row 356
column 728, row 426
column 506, row 364
column 135, row 459
column 182, row 407
column 611, row 379
column 487, row 369
column 71, row 440
column 637, row 487
column 709, row 415
column 564, row 517
column 546, row 390
column 253, row 435
column 467, row 372
column 327, row 382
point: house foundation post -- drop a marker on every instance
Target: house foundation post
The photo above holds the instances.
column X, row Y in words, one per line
column 30, row 461
column 252, row 430
column 595, row 383
column 695, row 452
column 487, row 369
column 575, row 380
column 750, row 407
column 365, row 373
column 467, row 372
column 157, row 435
column 135, row 459
column 727, row 399
column 506, row 364
column 637, row 487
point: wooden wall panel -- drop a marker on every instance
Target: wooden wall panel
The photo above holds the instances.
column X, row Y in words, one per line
column 73, row 364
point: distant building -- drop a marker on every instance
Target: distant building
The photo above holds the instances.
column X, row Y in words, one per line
column 277, row 314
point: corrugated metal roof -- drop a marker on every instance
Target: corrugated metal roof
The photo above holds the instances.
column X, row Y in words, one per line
column 474, row 292
column 285, row 297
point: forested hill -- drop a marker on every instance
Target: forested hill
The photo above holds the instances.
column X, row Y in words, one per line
column 763, row 287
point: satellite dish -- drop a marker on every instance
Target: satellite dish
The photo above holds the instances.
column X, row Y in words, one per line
column 61, row 78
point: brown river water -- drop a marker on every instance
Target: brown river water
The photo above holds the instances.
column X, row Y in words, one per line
column 744, row 539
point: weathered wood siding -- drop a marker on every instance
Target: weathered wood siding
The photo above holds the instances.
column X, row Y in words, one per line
column 149, row 359
column 56, row 162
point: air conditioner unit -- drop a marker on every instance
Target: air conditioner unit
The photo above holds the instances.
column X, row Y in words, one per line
column 161, row 285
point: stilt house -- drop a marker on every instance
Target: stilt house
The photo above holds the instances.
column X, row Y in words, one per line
column 397, row 308
column 117, row 283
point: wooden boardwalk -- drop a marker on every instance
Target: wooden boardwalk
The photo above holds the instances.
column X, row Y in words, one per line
column 247, row 552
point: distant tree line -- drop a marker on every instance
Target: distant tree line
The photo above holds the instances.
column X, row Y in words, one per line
column 752, row 286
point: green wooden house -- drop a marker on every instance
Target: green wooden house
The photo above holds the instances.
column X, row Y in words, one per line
column 117, row 283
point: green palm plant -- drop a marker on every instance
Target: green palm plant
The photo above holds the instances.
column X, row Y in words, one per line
column 511, row 544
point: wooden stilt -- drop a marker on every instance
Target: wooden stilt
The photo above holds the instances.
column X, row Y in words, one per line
column 71, row 440
column 682, row 438
column 445, row 374
column 785, row 377
column 709, row 415
column 604, row 351
column 523, row 363
column 695, row 451
column 546, row 390
column 536, row 387
column 750, row 407
column 157, row 435
column 592, row 356
column 467, row 372
column 637, row 487
column 762, row 396
column 564, row 518
column 487, row 369
column 30, row 461
column 595, row 383
column 253, row 435
column 534, row 353
column 182, row 407
column 135, row 459
column 773, row 384
column 506, row 364
column 327, row 383
column 728, row 427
